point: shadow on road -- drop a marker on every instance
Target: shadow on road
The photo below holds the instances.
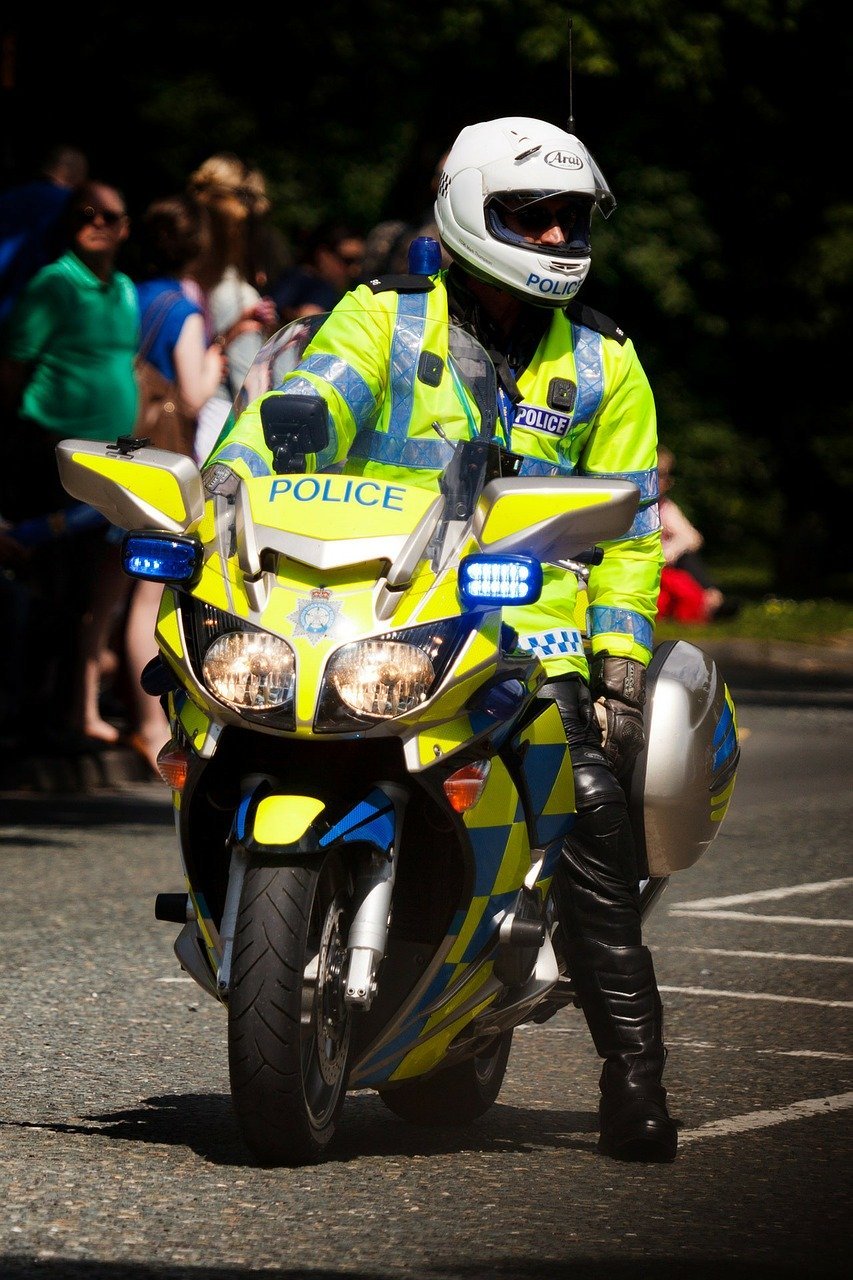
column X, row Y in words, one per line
column 576, row 1265
column 127, row 808
column 206, row 1124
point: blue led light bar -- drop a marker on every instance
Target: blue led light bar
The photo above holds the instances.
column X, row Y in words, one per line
column 159, row 557
column 485, row 579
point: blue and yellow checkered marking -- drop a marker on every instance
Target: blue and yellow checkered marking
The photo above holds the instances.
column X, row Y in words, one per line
column 547, row 769
column 499, row 836
column 552, row 644
column 372, row 820
column 724, row 741
column 501, row 854
column 725, row 746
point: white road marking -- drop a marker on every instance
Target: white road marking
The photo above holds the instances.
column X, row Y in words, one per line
column 762, row 955
column 809, row 1053
column 776, row 1053
column 765, row 1119
column 174, row 979
column 748, row 915
column 767, row 895
column 758, row 995
column 676, row 1043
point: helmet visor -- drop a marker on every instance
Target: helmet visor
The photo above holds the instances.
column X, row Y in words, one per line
column 605, row 202
column 521, row 217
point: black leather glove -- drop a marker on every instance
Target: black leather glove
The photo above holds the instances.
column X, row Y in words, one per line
column 618, row 687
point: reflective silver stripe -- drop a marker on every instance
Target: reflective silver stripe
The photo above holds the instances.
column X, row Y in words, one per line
column 253, row 460
column 538, row 467
column 590, row 373
column 646, row 521
column 346, row 380
column 646, row 481
column 406, row 346
column 422, row 455
column 552, row 644
column 604, row 620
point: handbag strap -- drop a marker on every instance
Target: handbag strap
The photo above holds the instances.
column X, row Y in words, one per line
column 159, row 307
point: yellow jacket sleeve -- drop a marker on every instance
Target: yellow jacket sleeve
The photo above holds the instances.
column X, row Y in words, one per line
column 623, row 589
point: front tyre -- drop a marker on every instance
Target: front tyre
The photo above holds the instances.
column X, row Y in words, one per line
column 288, row 1024
column 458, row 1094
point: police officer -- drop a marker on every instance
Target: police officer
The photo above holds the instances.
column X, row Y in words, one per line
column 513, row 210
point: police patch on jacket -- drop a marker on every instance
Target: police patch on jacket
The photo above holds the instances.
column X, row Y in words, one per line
column 544, row 420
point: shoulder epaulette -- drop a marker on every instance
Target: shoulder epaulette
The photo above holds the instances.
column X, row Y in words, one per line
column 595, row 320
column 400, row 284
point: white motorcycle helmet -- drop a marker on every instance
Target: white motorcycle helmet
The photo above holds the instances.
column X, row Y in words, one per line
column 511, row 164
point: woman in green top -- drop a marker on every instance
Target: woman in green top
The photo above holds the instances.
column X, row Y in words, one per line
column 67, row 371
column 67, row 367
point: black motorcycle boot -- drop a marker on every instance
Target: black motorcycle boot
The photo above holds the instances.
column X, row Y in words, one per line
column 613, row 975
column 618, row 994
column 596, row 893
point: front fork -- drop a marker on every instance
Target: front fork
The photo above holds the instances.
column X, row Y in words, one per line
column 372, row 890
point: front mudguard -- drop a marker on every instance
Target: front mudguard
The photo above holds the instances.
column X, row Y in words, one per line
column 269, row 826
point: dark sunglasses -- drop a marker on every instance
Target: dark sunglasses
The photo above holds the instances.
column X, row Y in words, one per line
column 537, row 217
column 108, row 216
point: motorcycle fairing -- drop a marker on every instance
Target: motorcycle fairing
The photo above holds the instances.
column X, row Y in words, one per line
column 476, row 661
column 547, row 783
column 445, row 739
column 459, row 984
column 201, row 732
column 206, row 929
column 378, row 516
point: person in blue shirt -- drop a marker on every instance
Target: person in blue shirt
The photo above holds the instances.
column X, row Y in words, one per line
column 31, row 220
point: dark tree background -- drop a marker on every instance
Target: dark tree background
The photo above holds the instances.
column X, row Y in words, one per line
column 728, row 259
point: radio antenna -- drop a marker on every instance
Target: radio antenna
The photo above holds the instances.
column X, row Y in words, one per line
column 570, row 123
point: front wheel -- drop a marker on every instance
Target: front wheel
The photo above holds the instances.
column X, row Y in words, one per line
column 458, row 1094
column 288, row 1024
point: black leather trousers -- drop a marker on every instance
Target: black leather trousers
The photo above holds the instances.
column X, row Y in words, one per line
column 596, row 893
column 599, row 855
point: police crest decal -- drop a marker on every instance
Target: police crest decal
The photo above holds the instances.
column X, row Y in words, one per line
column 315, row 616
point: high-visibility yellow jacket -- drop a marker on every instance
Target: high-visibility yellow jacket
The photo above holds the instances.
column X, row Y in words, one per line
column 586, row 409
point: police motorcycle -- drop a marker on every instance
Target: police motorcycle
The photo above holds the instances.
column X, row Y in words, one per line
column 369, row 798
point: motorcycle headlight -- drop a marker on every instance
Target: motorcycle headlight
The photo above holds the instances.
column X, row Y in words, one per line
column 381, row 678
column 245, row 668
column 250, row 670
column 386, row 676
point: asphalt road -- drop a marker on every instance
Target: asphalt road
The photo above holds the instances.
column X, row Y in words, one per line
column 121, row 1158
